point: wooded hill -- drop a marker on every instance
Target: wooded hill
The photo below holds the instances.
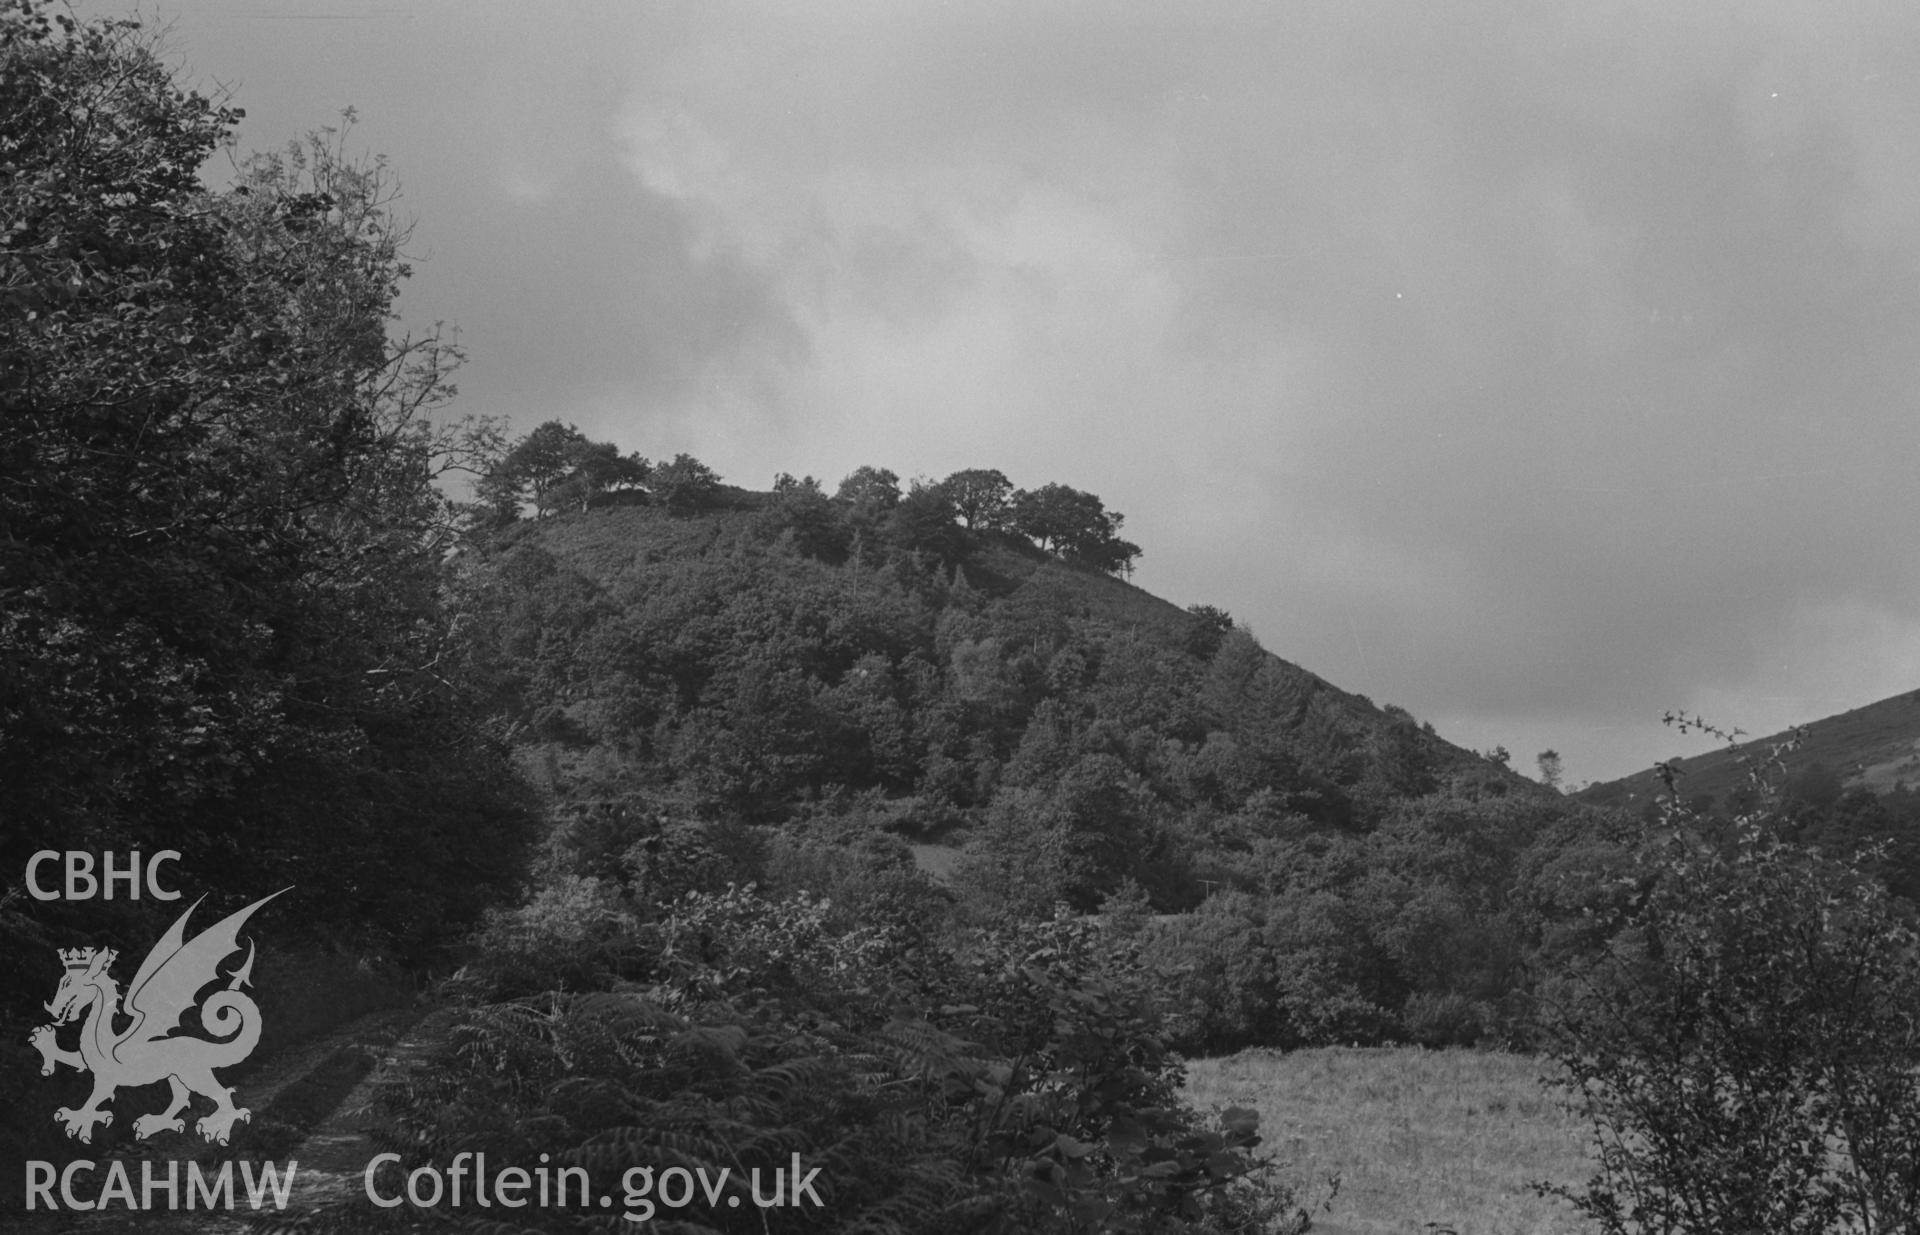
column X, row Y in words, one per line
column 1040, row 733
column 916, row 676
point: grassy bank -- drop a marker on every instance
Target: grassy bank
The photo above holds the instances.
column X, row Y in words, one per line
column 1424, row 1142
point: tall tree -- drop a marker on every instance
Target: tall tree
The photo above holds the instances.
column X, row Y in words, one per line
column 1211, row 625
column 542, row 459
column 982, row 496
column 556, row 467
column 1074, row 524
column 684, row 484
column 871, row 491
column 801, row 510
column 220, row 536
column 923, row 520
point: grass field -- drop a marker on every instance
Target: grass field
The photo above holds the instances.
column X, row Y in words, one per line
column 1424, row 1142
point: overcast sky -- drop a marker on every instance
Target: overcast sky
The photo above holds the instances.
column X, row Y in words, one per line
column 1537, row 367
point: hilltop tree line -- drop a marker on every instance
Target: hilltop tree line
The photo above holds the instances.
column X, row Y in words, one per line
column 556, row 468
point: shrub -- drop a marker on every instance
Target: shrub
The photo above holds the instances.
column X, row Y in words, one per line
column 1023, row 1090
column 572, row 934
column 1744, row 1045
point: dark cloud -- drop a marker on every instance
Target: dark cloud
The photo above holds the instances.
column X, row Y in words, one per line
column 1539, row 368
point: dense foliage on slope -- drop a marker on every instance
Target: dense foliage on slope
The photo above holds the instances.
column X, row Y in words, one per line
column 1302, row 865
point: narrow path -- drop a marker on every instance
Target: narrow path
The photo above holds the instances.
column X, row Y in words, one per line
column 334, row 1156
column 331, row 1154
column 373, row 1032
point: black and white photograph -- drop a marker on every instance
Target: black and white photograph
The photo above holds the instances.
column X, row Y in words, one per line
column 1064, row 617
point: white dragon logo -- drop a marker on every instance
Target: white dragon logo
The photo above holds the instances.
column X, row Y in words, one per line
column 143, row 1051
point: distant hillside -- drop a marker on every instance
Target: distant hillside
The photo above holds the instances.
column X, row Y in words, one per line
column 1875, row 747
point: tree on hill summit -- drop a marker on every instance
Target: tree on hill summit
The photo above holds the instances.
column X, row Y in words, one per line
column 683, row 484
column 803, row 512
column 871, row 491
column 981, row 496
column 1074, row 524
column 923, row 521
column 557, row 468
